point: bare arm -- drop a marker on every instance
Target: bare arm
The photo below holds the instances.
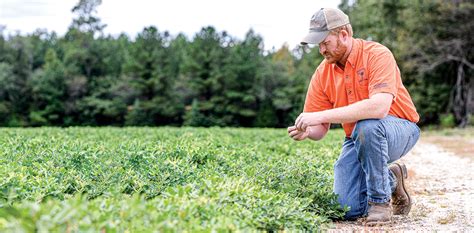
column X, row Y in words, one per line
column 376, row 107
column 315, row 132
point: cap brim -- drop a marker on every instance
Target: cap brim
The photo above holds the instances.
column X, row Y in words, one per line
column 314, row 37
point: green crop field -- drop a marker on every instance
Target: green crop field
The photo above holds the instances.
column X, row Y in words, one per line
column 164, row 179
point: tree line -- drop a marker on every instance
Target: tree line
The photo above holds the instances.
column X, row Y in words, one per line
column 214, row 79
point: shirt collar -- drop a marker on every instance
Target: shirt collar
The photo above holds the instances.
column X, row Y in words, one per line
column 354, row 52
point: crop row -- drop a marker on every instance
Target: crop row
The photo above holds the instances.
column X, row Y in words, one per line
column 176, row 179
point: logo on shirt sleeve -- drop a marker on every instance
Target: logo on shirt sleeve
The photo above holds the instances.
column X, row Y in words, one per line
column 380, row 85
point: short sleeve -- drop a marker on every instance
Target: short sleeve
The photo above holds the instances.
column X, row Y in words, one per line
column 383, row 74
column 316, row 100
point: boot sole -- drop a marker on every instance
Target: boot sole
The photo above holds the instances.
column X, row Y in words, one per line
column 375, row 224
column 403, row 168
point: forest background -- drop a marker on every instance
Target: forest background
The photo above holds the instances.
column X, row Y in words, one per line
column 88, row 78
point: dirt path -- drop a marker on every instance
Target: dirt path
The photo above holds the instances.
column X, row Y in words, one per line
column 442, row 188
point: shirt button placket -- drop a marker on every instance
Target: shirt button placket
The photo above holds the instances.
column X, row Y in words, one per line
column 350, row 94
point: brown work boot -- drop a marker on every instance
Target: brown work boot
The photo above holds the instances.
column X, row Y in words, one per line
column 379, row 214
column 401, row 201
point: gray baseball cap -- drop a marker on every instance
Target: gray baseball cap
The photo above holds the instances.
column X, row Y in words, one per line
column 322, row 22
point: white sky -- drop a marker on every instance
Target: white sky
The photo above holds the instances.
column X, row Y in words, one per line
column 277, row 21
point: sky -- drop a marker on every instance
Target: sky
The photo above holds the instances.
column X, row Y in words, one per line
column 277, row 21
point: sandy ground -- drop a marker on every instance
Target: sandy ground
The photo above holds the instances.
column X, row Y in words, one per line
column 442, row 187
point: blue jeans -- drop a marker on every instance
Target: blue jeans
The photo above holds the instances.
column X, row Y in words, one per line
column 361, row 173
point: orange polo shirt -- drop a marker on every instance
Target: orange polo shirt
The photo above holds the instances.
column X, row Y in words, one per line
column 370, row 69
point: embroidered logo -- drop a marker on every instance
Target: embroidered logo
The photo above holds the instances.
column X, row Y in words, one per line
column 380, row 85
column 362, row 77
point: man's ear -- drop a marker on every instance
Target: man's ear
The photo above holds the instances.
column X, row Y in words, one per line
column 344, row 35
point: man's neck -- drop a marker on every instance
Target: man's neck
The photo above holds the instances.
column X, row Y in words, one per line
column 342, row 63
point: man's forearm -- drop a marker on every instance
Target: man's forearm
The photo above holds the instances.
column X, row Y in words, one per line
column 365, row 109
column 377, row 107
column 317, row 132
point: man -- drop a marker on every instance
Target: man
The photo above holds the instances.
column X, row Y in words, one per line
column 358, row 84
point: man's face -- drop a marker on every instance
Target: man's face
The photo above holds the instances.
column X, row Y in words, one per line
column 332, row 48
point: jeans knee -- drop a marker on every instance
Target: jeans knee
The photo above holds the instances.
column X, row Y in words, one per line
column 365, row 128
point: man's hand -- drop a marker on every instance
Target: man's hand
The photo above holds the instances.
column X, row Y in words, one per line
column 307, row 119
column 296, row 134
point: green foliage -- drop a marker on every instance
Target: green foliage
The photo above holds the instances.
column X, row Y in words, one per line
column 48, row 89
column 214, row 79
column 447, row 120
column 266, row 116
column 4, row 112
column 86, row 21
column 194, row 117
column 153, row 77
column 167, row 179
column 137, row 115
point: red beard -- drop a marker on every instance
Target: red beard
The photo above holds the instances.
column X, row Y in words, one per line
column 336, row 55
